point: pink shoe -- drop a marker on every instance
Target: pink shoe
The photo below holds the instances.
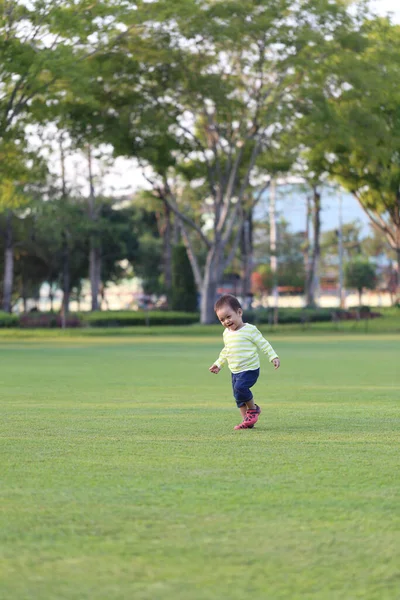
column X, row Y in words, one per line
column 249, row 421
column 258, row 409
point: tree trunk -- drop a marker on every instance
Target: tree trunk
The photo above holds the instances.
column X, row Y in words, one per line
column 247, row 257
column 166, row 231
column 24, row 291
column 167, row 247
column 176, row 232
column 65, row 248
column 313, row 276
column 8, row 264
column 306, row 250
column 66, row 280
column 95, row 250
column 391, row 230
column 94, row 272
column 273, row 249
column 207, row 314
column 212, row 275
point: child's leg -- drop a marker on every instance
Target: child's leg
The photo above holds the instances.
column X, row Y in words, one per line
column 250, row 405
column 255, row 408
column 241, row 384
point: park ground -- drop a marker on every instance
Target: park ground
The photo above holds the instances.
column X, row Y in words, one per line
column 122, row 477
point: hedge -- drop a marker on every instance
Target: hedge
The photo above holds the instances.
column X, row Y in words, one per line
column 121, row 318
column 138, row 318
column 7, row 320
column 303, row 315
column 47, row 320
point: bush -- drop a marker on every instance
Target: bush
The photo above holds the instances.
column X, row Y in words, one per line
column 308, row 315
column 47, row 320
column 138, row 318
column 7, row 320
column 357, row 312
column 289, row 315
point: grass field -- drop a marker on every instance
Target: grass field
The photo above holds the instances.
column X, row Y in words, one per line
column 122, row 477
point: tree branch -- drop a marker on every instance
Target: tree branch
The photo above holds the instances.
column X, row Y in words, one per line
column 378, row 222
column 167, row 195
column 203, row 150
column 171, row 201
column 192, row 256
column 219, row 226
column 235, row 245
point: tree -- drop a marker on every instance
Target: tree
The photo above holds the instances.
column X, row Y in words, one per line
column 377, row 245
column 43, row 45
column 224, row 80
column 351, row 239
column 290, row 271
column 20, row 173
column 359, row 127
column 59, row 242
column 360, row 274
column 314, row 127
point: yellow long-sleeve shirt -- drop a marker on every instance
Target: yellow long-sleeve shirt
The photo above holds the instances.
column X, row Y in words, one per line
column 241, row 349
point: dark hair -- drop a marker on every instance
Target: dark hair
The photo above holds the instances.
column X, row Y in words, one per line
column 227, row 299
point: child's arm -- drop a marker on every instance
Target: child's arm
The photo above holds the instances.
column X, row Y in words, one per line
column 266, row 348
column 217, row 366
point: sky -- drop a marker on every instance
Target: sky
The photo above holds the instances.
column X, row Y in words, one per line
column 384, row 7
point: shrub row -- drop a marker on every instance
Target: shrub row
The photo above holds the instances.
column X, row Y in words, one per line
column 306, row 315
column 138, row 318
column 288, row 315
column 47, row 320
column 144, row 318
column 7, row 320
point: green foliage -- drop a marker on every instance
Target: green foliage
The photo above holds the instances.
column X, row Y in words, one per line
column 207, row 92
column 7, row 320
column 148, row 263
column 58, row 222
column 45, row 47
column 376, row 244
column 138, row 318
column 192, row 88
column 289, row 315
column 354, row 125
column 289, row 252
column 184, row 291
column 117, row 230
column 40, row 320
column 351, row 239
column 360, row 274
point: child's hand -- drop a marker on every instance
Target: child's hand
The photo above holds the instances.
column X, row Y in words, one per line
column 214, row 369
column 277, row 363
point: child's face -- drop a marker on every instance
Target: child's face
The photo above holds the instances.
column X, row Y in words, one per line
column 230, row 318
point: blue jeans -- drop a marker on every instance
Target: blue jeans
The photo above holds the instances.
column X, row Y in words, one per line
column 241, row 384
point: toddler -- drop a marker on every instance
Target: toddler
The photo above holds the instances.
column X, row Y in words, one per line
column 241, row 344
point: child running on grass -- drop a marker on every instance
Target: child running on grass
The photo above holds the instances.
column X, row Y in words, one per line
column 241, row 342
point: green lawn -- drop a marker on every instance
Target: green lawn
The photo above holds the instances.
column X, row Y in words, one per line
column 122, row 477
